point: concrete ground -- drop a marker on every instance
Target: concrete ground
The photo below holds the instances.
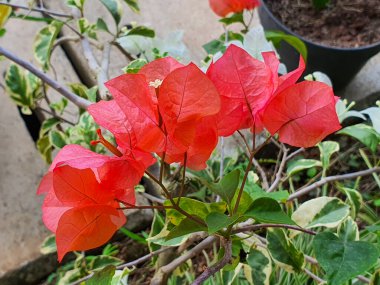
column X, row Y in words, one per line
column 21, row 229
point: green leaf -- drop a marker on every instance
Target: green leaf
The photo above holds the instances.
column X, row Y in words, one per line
column 103, row 277
column 320, row 4
column 101, row 25
column 193, row 207
column 226, row 187
column 45, row 148
column 133, row 4
column 256, row 192
column 321, row 212
column 364, row 133
column 375, row 279
column 341, row 259
column 296, row 166
column 22, row 86
column 48, row 245
column 218, row 221
column 101, row 261
column 2, row 32
column 348, row 230
column 59, row 106
column 354, row 199
column 161, row 238
column 283, row 252
column 47, row 125
column 234, row 18
column 44, row 41
column 5, row 12
column 260, row 266
column 141, row 31
column 57, row 139
column 186, row 226
column 327, row 149
column 114, row 7
column 121, row 277
column 133, row 236
column 76, row 3
column 135, row 65
column 277, row 36
column 214, row 46
column 266, row 210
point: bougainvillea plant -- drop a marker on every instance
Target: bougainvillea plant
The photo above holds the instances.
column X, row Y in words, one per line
column 225, row 157
column 175, row 113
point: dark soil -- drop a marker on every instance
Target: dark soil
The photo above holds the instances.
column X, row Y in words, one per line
column 344, row 23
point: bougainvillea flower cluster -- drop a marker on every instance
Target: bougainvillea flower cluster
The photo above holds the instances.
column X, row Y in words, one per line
column 224, row 7
column 176, row 112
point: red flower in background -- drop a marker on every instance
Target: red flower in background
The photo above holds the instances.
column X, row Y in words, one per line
column 223, row 7
column 254, row 96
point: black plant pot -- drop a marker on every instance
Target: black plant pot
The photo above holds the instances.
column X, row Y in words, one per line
column 340, row 64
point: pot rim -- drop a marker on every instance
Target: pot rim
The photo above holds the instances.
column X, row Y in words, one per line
column 278, row 22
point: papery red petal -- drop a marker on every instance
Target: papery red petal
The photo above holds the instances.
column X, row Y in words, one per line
column 46, row 184
column 302, row 114
column 292, row 77
column 78, row 157
column 52, row 211
column 87, row 227
column 159, row 68
column 245, row 84
column 132, row 94
column 78, row 187
column 109, row 115
column 186, row 96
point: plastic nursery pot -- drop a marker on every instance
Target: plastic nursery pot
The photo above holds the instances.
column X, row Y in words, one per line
column 340, row 64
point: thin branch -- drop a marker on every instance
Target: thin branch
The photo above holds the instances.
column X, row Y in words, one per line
column 329, row 179
column 153, row 198
column 181, row 191
column 261, row 171
column 42, row 10
column 210, row 271
column 277, row 180
column 318, row 279
column 123, row 51
column 295, row 153
column 63, row 40
column 102, row 75
column 261, row 226
column 80, row 102
column 129, row 264
column 247, row 171
column 167, row 269
column 56, row 116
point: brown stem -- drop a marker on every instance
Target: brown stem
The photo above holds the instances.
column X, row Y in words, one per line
column 210, row 271
column 183, row 179
column 261, row 226
column 252, row 154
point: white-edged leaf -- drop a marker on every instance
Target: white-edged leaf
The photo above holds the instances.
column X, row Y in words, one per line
column 114, row 7
column 348, row 230
column 324, row 211
column 44, row 41
column 260, row 265
column 48, row 245
column 327, row 149
column 364, row 133
column 374, row 115
column 301, row 164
